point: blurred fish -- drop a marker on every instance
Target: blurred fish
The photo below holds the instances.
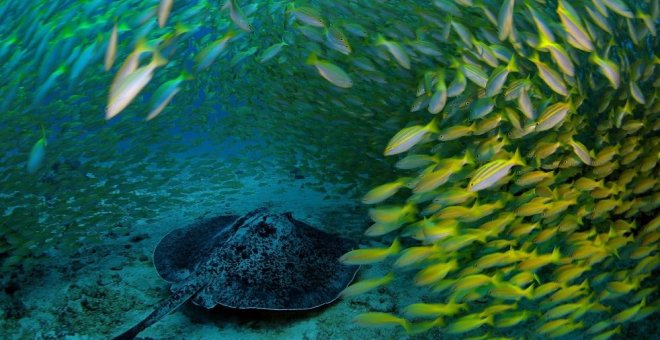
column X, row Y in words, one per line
column 165, row 93
column 237, row 15
column 211, row 52
column 396, row 50
column 409, row 137
column 37, row 153
column 164, row 9
column 331, row 72
column 271, row 51
column 367, row 256
column 367, row 285
column 125, row 92
column 487, row 175
column 111, row 49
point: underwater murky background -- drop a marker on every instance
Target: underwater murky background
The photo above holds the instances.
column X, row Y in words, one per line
column 122, row 120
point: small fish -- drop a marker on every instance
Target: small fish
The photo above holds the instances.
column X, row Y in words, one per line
column 164, row 9
column 381, row 319
column 383, row 192
column 533, row 177
column 607, row 335
column 599, row 326
column 507, row 291
column 637, row 93
column 439, row 174
column 463, row 32
column 439, row 230
column 211, row 52
column 545, row 289
column 581, row 151
column 542, row 25
column 336, row 39
column 391, row 214
column 396, row 50
column 368, row 256
column 553, row 325
column 165, row 93
column 505, row 19
column 588, row 184
column 130, row 87
column 497, row 226
column 409, row 137
column 468, row 323
column 562, row 310
column 454, row 196
column 498, row 259
column 242, row 55
column 471, row 282
column 599, row 19
column 457, row 85
column 565, row 329
column 435, row 272
column 629, row 313
column 578, row 36
column 237, row 16
column 331, row 72
column 511, row 319
column 488, row 124
column 619, row 7
column 364, row 286
column 449, row 309
column 439, row 97
column 560, row 57
column 608, row 68
column 455, row 132
column 550, row 77
column 308, row 16
column 412, row 255
column 481, row 107
column 475, row 74
column 569, row 292
column 487, row 175
column 131, row 63
column 415, row 161
column 498, row 77
column 552, row 116
column 111, row 49
column 37, row 153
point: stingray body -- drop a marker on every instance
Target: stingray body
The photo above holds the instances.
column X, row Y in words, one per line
column 257, row 261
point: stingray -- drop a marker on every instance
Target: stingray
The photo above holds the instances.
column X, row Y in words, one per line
column 260, row 261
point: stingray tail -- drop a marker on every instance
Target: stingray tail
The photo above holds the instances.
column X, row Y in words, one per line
column 164, row 307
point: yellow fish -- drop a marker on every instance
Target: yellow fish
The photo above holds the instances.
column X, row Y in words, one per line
column 364, row 286
column 487, row 175
column 381, row 319
column 368, row 256
column 409, row 137
column 331, row 72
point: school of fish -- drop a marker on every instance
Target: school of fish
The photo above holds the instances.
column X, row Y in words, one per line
column 526, row 153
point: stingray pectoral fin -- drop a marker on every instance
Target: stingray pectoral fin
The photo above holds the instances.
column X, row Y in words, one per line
column 164, row 307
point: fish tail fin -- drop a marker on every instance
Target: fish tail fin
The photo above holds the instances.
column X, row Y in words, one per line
column 432, row 126
column 180, row 28
column 395, row 247
column 517, row 159
column 142, row 45
column 312, row 59
column 158, row 59
column 529, row 292
column 513, row 65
